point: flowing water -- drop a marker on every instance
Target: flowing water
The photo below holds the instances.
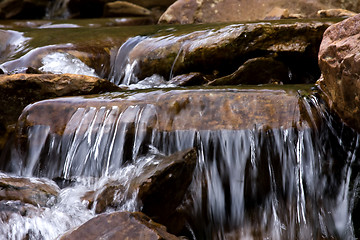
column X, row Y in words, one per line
column 292, row 181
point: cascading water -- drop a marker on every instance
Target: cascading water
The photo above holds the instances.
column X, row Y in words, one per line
column 278, row 183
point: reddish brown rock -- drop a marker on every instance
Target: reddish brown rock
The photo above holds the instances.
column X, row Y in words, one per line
column 339, row 60
column 28, row 190
column 223, row 49
column 205, row 11
column 120, row 225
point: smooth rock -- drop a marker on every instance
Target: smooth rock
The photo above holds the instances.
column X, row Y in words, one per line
column 205, row 11
column 339, row 60
column 120, row 225
column 332, row 13
column 207, row 109
column 19, row 90
column 223, row 49
column 122, row 8
column 36, row 191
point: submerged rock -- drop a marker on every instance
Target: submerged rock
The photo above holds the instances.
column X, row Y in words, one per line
column 120, row 225
column 38, row 192
column 339, row 61
column 224, row 49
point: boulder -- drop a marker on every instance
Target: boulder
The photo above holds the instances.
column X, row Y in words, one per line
column 332, row 13
column 221, row 50
column 35, row 191
column 19, row 90
column 339, row 60
column 124, row 9
column 205, row 11
column 161, row 188
column 120, row 225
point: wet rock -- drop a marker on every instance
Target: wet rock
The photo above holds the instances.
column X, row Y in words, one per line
column 10, row 208
column 339, row 61
column 35, row 191
column 224, row 49
column 331, row 13
column 161, row 189
column 23, row 9
column 256, row 71
column 193, row 11
column 120, row 225
column 122, row 8
column 211, row 109
column 190, row 79
column 19, row 90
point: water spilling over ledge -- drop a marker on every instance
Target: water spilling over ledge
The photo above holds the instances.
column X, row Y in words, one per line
column 266, row 168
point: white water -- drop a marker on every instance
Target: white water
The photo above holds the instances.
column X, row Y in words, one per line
column 59, row 63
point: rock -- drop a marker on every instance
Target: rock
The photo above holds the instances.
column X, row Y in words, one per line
column 121, row 8
column 19, row 90
column 332, row 13
column 256, row 71
column 277, row 13
column 120, row 225
column 23, row 9
column 178, row 109
column 205, row 11
column 339, row 60
column 38, row 192
column 224, row 49
column 161, row 188
column 190, row 79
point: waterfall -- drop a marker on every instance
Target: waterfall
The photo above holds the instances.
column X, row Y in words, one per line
column 122, row 70
column 57, row 9
column 258, row 183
